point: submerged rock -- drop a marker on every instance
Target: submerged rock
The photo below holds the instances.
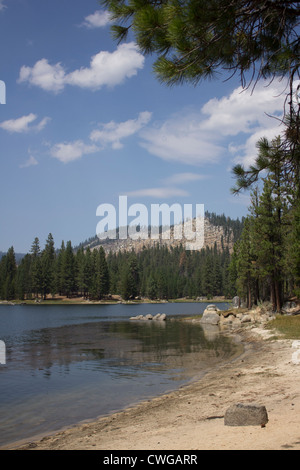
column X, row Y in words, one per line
column 157, row 317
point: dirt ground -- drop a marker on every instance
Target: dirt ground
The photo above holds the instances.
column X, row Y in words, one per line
column 192, row 418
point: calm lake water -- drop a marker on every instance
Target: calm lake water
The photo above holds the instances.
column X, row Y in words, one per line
column 70, row 363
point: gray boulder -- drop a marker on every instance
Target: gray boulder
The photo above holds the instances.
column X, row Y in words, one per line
column 242, row 414
column 211, row 318
column 162, row 317
column 210, row 315
column 246, row 319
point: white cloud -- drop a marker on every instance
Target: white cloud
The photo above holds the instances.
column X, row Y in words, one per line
column 247, row 152
column 32, row 161
column 160, row 192
column 243, row 110
column 182, row 178
column 42, row 124
column 69, row 151
column 113, row 133
column 203, row 137
column 2, row 6
column 180, row 139
column 169, row 189
column 43, row 75
column 99, row 19
column 22, row 124
column 106, row 69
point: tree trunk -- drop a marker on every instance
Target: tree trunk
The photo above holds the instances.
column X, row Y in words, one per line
column 273, row 295
column 278, row 302
column 249, row 303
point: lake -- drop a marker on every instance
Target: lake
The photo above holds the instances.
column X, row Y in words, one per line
column 68, row 363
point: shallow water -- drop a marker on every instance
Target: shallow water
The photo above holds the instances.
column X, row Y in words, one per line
column 65, row 364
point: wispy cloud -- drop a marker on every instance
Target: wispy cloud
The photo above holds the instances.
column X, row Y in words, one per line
column 105, row 69
column 23, row 124
column 182, row 178
column 2, row 6
column 32, row 161
column 99, row 19
column 179, row 139
column 67, row 152
column 170, row 187
column 159, row 192
column 113, row 133
column 201, row 138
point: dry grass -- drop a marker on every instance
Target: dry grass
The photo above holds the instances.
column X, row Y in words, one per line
column 286, row 325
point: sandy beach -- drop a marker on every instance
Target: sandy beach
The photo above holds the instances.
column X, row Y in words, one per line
column 192, row 418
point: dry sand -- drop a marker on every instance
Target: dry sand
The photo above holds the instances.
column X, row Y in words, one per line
column 192, row 418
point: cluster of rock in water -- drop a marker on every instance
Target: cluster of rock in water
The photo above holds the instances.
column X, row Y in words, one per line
column 212, row 315
column 157, row 317
column 235, row 316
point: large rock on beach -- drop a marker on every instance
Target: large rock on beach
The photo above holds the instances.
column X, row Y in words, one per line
column 210, row 315
column 242, row 414
column 236, row 302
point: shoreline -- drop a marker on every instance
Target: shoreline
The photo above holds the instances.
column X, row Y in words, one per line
column 192, row 417
column 77, row 301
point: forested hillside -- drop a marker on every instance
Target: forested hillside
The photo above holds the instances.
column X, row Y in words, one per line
column 157, row 271
column 219, row 230
column 262, row 263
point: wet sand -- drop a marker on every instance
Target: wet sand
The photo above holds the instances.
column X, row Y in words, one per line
column 192, row 418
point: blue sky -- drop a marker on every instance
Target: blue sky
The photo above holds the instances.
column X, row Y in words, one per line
column 86, row 121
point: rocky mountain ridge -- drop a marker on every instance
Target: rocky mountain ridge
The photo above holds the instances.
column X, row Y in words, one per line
column 222, row 235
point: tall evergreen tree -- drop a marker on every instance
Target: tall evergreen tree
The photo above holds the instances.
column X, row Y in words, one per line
column 8, row 270
column 23, row 283
column 58, row 281
column 101, row 277
column 48, row 267
column 244, row 263
column 36, row 268
column 68, row 271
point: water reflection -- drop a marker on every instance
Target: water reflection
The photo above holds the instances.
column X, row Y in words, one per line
column 121, row 344
column 58, row 375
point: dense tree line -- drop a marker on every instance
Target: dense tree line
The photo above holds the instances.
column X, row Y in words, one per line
column 156, row 273
column 165, row 273
column 266, row 259
column 64, row 272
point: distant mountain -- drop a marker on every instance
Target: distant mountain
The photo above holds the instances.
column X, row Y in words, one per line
column 219, row 230
column 18, row 256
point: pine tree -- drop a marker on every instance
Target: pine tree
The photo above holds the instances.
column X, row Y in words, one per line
column 36, row 268
column 23, row 282
column 208, row 275
column 80, row 261
column 293, row 253
column 59, row 269
column 152, row 288
column 88, row 272
column 48, row 266
column 8, row 275
column 195, row 39
column 101, row 277
column 68, row 270
column 269, row 241
column 244, row 263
